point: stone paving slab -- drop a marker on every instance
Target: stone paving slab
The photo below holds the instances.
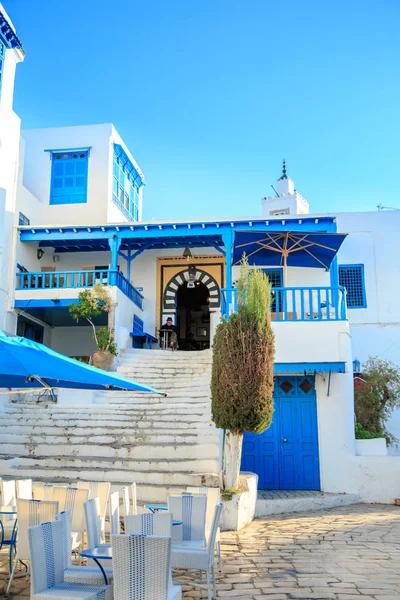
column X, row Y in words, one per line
column 346, row 553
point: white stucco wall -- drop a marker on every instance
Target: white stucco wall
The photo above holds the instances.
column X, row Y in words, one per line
column 9, row 160
column 99, row 207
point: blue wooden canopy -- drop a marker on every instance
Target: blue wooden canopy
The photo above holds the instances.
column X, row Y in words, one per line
column 293, row 249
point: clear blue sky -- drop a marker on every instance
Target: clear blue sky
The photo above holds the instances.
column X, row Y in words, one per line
column 210, row 95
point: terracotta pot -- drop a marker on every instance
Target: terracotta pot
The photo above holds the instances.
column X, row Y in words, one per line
column 102, row 359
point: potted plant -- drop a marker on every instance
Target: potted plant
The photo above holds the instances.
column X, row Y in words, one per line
column 91, row 303
column 376, row 395
column 242, row 370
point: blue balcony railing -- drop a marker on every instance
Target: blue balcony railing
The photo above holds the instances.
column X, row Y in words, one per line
column 78, row 279
column 298, row 303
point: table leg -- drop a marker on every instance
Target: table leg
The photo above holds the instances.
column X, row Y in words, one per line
column 102, row 570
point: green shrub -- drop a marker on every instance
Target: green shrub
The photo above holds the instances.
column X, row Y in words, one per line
column 376, row 396
column 364, row 434
column 243, row 359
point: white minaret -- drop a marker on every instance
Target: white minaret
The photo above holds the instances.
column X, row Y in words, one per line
column 287, row 201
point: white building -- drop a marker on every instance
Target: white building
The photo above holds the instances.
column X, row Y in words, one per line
column 187, row 270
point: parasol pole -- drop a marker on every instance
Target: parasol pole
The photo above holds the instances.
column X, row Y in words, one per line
column 285, row 254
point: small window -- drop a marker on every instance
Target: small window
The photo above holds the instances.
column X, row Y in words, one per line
column 23, row 220
column 69, row 173
column 352, row 278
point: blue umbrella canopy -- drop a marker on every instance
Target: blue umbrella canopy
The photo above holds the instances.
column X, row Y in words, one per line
column 27, row 365
column 294, row 249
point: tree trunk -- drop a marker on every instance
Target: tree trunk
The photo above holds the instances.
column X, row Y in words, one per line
column 233, row 453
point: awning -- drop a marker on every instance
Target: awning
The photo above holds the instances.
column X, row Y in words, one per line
column 287, row 249
column 315, row 368
column 29, row 366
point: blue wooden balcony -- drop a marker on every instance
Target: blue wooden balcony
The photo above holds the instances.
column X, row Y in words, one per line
column 77, row 279
column 298, row 303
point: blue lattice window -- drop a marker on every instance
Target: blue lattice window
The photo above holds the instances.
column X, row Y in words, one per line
column 275, row 277
column 352, row 278
column 69, row 175
column 126, row 184
column 23, row 220
column 2, row 58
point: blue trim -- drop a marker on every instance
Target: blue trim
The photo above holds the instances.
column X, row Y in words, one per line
column 305, row 368
column 2, row 61
column 8, row 35
column 193, row 232
column 356, row 291
column 43, row 303
column 69, row 177
column 59, row 150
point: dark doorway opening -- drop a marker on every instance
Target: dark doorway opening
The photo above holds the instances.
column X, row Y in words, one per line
column 193, row 316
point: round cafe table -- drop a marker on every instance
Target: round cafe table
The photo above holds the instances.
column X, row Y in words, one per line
column 153, row 508
column 104, row 552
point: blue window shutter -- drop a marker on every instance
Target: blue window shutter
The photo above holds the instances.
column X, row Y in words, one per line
column 352, row 278
column 69, row 175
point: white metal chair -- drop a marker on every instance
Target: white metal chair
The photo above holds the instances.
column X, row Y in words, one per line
column 213, row 498
column 47, row 567
column 76, row 573
column 42, row 491
column 133, row 498
column 195, row 557
column 24, row 489
column 142, row 566
column 126, row 502
column 114, row 513
column 191, row 510
column 73, row 499
column 7, row 522
column 93, row 522
column 100, row 490
column 93, row 527
column 30, row 513
column 8, row 492
column 158, row 524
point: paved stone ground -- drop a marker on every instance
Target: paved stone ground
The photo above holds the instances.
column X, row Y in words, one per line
column 287, row 494
column 347, row 553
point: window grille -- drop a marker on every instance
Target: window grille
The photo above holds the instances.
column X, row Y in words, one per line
column 352, row 278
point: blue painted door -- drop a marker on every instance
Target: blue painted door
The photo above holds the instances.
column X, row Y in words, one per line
column 286, row 456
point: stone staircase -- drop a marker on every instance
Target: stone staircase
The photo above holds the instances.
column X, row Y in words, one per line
column 161, row 443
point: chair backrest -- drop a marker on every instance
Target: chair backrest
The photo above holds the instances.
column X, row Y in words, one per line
column 72, row 499
column 93, row 522
column 42, row 491
column 30, row 513
column 8, row 492
column 213, row 498
column 213, row 533
column 24, row 489
column 114, row 513
column 133, row 498
column 47, row 562
column 191, row 510
column 141, row 566
column 126, row 503
column 66, row 519
column 100, row 490
column 159, row 524
column 47, row 269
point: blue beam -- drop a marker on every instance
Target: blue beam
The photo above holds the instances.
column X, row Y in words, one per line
column 172, row 230
column 306, row 368
column 45, row 303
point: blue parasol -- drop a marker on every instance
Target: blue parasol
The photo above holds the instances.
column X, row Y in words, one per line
column 29, row 366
